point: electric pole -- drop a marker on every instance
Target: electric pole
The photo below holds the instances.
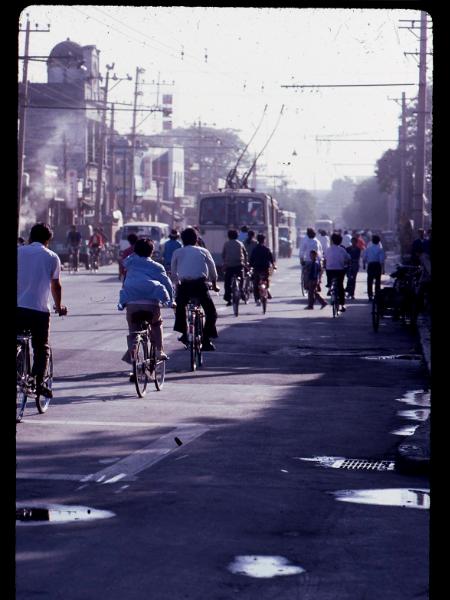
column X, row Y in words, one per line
column 139, row 71
column 419, row 175
column 23, row 104
column 112, row 170
column 101, row 153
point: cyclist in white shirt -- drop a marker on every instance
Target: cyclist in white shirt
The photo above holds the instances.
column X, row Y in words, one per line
column 191, row 267
column 337, row 260
column 38, row 275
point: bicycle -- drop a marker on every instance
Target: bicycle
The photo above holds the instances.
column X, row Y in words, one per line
column 146, row 366
column 195, row 320
column 263, row 289
column 26, row 385
column 73, row 259
column 93, row 259
column 247, row 288
column 236, row 294
column 334, row 297
column 303, row 280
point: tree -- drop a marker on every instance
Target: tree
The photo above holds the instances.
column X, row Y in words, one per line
column 370, row 206
column 302, row 202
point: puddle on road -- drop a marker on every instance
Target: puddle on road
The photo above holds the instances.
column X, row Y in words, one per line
column 403, row 497
column 407, row 430
column 263, row 566
column 416, row 398
column 57, row 513
column 421, row 414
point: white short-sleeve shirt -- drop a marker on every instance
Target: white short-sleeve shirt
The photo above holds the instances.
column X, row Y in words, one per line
column 36, row 267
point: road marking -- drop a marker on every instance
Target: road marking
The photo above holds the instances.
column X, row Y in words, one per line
column 127, row 468
column 147, row 456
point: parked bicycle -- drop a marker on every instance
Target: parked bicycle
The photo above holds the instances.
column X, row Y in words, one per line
column 146, row 366
column 26, row 383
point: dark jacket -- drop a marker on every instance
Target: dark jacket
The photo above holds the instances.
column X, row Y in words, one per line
column 261, row 258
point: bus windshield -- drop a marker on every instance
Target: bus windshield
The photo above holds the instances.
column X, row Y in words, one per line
column 250, row 211
column 213, row 211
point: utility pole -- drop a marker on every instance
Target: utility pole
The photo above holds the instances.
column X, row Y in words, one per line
column 101, row 154
column 112, row 170
column 419, row 175
column 139, row 71
column 23, row 104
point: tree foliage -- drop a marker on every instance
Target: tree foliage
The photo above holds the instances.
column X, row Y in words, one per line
column 302, row 202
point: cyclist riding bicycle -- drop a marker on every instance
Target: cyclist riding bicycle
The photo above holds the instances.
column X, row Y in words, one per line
column 336, row 262
column 145, row 287
column 191, row 267
column 73, row 245
column 96, row 242
column 38, row 274
column 261, row 261
column 170, row 246
column 235, row 260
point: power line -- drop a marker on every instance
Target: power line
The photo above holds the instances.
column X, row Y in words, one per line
column 346, row 85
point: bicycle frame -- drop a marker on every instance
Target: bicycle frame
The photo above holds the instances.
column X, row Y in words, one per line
column 195, row 316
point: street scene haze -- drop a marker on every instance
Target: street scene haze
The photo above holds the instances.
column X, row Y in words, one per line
column 224, row 223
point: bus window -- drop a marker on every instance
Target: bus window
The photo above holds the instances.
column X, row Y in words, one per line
column 213, row 211
column 251, row 211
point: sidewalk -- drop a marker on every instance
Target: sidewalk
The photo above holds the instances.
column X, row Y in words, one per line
column 414, row 451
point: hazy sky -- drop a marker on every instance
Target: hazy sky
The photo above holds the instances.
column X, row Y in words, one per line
column 227, row 64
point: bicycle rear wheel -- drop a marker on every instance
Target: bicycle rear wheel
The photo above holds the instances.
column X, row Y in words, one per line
column 235, row 297
column 42, row 402
column 22, row 366
column 140, row 370
column 198, row 341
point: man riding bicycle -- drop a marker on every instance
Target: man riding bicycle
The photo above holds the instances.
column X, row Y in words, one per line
column 38, row 272
column 235, row 260
column 73, row 245
column 96, row 243
column 191, row 267
column 261, row 261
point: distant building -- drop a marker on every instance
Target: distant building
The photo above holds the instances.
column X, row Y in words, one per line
column 62, row 134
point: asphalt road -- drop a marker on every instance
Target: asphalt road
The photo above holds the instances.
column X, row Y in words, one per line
column 281, row 387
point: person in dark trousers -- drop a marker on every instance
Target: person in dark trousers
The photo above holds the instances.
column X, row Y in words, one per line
column 417, row 247
column 38, row 275
column 313, row 270
column 192, row 266
column 261, row 261
column 354, row 251
column 169, row 248
column 235, row 259
column 374, row 259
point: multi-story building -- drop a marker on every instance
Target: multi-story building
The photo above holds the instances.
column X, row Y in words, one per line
column 62, row 137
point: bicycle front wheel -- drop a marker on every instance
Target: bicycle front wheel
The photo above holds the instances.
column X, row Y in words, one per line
column 22, row 365
column 157, row 368
column 140, row 371
column 42, row 402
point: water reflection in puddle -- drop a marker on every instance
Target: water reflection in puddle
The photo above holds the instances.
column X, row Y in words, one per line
column 263, row 566
column 404, row 497
column 37, row 514
column 421, row 414
column 407, row 430
column 417, row 398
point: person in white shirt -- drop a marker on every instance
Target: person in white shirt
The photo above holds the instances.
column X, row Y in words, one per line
column 374, row 258
column 191, row 267
column 308, row 243
column 323, row 239
column 346, row 239
column 336, row 262
column 38, row 274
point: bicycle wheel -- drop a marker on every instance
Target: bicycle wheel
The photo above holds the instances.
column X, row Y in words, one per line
column 375, row 313
column 157, row 368
column 140, row 369
column 22, row 366
column 198, row 340
column 42, row 402
column 263, row 297
column 235, row 296
column 192, row 353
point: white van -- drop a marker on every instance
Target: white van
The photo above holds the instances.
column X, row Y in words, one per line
column 156, row 231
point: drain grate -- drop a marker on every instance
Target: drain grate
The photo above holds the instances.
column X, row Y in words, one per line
column 364, row 465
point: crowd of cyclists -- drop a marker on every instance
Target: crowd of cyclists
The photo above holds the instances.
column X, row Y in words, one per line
column 188, row 270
